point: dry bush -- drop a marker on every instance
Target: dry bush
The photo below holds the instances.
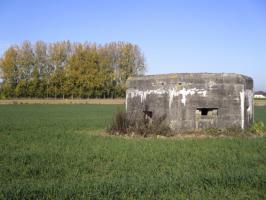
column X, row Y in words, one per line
column 120, row 123
column 258, row 128
column 124, row 123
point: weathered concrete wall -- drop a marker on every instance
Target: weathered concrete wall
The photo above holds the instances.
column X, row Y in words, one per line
column 193, row 101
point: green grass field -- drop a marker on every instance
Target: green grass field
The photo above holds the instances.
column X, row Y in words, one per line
column 56, row 152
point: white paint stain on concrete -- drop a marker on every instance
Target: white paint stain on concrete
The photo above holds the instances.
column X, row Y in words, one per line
column 185, row 92
column 250, row 111
column 211, row 84
column 143, row 94
column 126, row 99
column 171, row 93
column 242, row 108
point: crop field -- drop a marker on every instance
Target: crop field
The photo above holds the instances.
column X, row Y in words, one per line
column 59, row 152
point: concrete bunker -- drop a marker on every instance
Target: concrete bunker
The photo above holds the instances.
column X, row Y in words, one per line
column 193, row 101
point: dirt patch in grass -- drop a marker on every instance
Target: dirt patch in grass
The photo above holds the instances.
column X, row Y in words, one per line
column 260, row 102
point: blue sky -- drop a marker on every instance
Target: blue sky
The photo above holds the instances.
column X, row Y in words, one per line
column 175, row 36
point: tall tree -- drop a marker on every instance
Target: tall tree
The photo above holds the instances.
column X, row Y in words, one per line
column 9, row 70
column 25, row 61
column 59, row 54
column 42, row 72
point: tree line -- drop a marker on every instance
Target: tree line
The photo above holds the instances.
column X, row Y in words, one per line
column 69, row 70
